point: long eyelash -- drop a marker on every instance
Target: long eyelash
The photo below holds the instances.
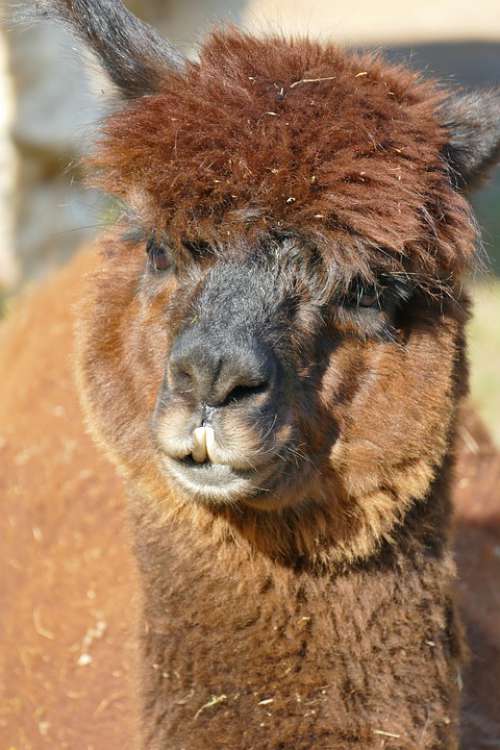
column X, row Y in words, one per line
column 401, row 289
column 353, row 296
column 387, row 333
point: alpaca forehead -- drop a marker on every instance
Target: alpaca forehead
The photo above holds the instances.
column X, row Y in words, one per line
column 218, row 127
column 304, row 138
column 244, row 292
column 283, row 95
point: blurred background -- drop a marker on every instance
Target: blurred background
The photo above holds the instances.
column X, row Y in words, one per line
column 49, row 100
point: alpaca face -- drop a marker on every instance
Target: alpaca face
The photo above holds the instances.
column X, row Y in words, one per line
column 255, row 375
column 262, row 344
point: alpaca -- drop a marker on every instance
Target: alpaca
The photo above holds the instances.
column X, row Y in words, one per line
column 272, row 354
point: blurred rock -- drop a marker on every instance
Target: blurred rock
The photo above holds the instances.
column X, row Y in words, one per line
column 54, row 105
column 185, row 23
column 9, row 272
column 57, row 104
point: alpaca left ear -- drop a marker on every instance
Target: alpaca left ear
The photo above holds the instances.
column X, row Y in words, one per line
column 473, row 123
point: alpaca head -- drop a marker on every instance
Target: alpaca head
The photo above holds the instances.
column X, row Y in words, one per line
column 282, row 322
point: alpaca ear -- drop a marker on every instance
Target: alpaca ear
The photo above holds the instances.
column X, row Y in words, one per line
column 473, row 123
column 131, row 52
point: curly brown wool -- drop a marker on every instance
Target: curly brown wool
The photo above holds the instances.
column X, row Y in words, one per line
column 273, row 356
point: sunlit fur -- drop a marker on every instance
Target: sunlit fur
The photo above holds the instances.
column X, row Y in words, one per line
column 356, row 460
column 68, row 564
column 278, row 135
column 345, row 428
column 321, row 587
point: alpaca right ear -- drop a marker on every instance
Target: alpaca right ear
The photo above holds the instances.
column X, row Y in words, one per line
column 132, row 53
column 473, row 124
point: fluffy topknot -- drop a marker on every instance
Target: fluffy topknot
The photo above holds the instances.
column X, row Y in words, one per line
column 269, row 136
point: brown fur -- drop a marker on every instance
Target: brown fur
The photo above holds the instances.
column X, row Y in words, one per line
column 375, row 481
column 273, row 135
column 320, row 615
column 63, row 537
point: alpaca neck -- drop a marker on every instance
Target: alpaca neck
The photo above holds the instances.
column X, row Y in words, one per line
column 319, row 538
column 230, row 622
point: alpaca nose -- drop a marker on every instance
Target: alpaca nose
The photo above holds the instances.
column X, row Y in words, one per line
column 219, row 373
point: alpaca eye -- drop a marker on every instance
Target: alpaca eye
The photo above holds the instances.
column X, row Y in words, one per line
column 368, row 298
column 159, row 259
column 363, row 296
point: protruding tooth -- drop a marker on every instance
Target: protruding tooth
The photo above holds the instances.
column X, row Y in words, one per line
column 199, row 451
column 210, row 444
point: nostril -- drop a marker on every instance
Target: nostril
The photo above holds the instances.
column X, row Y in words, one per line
column 244, row 391
column 183, row 374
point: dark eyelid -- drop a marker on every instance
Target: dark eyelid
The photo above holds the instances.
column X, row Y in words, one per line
column 197, row 247
column 399, row 289
column 159, row 256
column 389, row 292
column 353, row 296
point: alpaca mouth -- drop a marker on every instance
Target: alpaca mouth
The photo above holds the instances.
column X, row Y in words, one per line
column 210, row 471
column 214, row 482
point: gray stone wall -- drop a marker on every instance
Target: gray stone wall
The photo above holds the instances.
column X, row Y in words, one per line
column 54, row 103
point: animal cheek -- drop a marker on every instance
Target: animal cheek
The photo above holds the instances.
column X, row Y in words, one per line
column 173, row 433
column 337, row 456
column 149, row 352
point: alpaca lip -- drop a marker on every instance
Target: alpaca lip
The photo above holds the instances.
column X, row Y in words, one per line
column 213, row 481
column 211, row 471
